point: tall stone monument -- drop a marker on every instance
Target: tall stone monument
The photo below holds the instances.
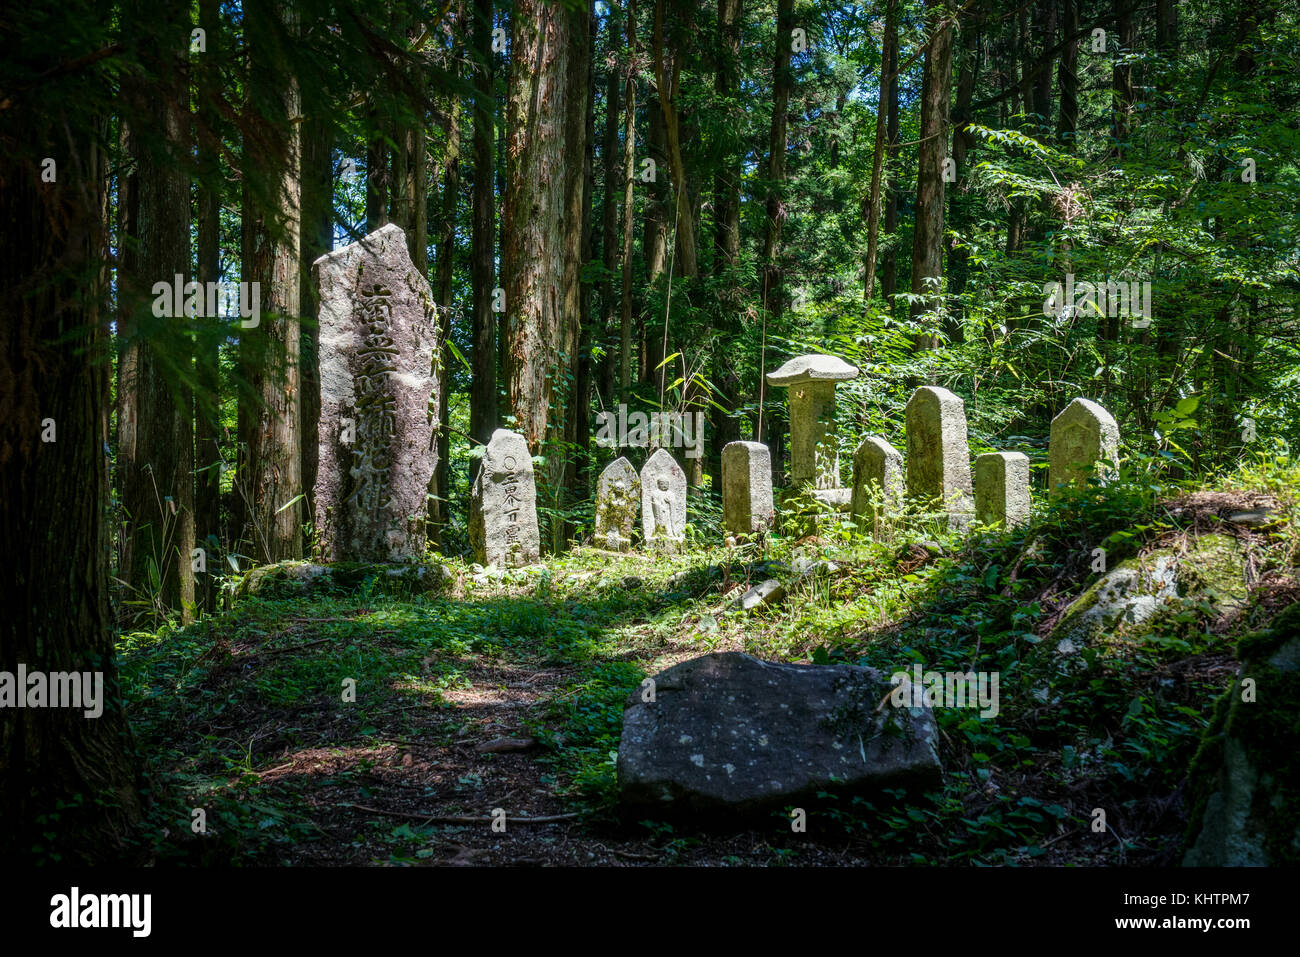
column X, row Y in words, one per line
column 503, row 504
column 663, row 502
column 746, row 488
column 1002, row 488
column 618, row 495
column 1082, row 435
column 379, row 408
column 814, row 449
column 938, row 455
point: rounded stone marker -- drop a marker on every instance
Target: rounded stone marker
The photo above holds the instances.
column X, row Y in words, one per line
column 938, row 456
column 1082, row 436
column 663, row 502
column 877, row 471
column 618, row 493
column 503, row 504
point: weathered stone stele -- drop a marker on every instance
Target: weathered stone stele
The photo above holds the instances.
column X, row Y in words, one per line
column 503, row 504
column 746, row 487
column 663, row 502
column 1002, row 488
column 878, row 481
column 1082, row 435
column 618, row 495
column 730, row 733
column 938, row 456
column 814, row 449
column 379, row 408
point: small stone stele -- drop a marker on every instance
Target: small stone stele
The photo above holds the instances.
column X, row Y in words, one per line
column 878, row 477
column 379, row 408
column 1002, row 489
column 747, row 488
column 618, row 494
column 938, row 455
column 663, row 502
column 1082, row 436
column 503, row 504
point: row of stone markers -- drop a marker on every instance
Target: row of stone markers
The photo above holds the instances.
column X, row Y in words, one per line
column 378, row 353
column 503, row 504
column 936, row 472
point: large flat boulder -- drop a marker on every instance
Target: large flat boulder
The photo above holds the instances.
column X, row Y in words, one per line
column 727, row 732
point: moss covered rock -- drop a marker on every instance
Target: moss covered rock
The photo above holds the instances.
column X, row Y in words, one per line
column 298, row 579
column 1213, row 570
column 1245, row 779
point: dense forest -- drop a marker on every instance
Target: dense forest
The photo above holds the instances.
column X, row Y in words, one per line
column 625, row 207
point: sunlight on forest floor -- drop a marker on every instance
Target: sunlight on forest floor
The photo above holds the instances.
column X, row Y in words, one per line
column 508, row 693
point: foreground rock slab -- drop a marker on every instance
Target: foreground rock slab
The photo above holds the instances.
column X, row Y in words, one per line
column 727, row 732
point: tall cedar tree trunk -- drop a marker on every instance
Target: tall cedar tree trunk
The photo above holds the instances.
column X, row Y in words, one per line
column 629, row 187
column 726, row 236
column 962, row 141
column 317, row 239
column 1122, row 95
column 158, row 493
column 401, row 191
column 540, row 276
column 446, row 263
column 782, row 84
column 207, row 404
column 54, row 495
column 770, row 261
column 580, row 421
column 503, row 322
column 483, row 382
column 128, row 339
column 1045, row 23
column 654, row 243
column 575, row 227
column 668, row 78
column 271, row 472
column 377, row 173
column 611, row 158
column 726, row 184
column 1067, row 76
column 927, row 246
column 889, row 262
column 889, row 60
column 1015, row 216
